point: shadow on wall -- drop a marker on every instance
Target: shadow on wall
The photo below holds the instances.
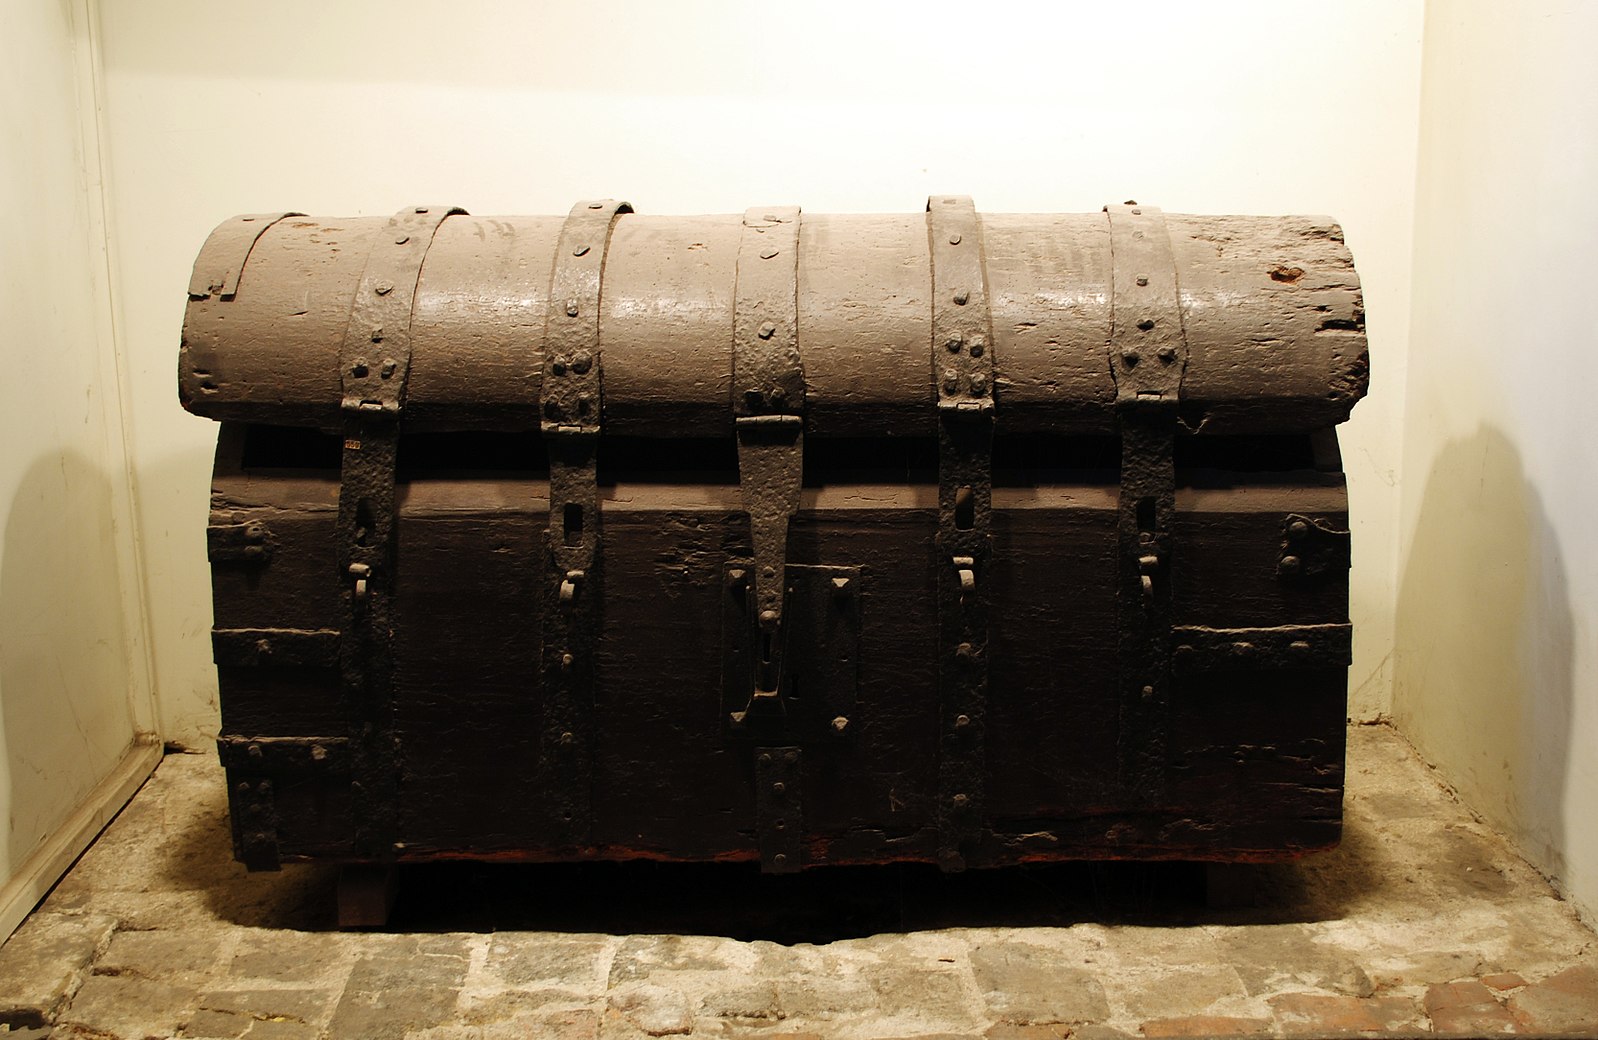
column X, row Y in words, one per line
column 178, row 579
column 1483, row 685
column 63, row 646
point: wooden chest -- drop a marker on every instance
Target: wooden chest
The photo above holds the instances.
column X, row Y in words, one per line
column 970, row 539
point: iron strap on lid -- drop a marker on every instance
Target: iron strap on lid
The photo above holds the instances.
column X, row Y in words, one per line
column 962, row 372
column 1148, row 354
column 221, row 263
column 573, row 409
column 376, row 360
column 768, row 396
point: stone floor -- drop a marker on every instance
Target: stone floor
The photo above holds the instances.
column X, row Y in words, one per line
column 1422, row 923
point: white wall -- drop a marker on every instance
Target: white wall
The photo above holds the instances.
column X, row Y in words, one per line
column 73, row 687
column 1497, row 678
column 362, row 107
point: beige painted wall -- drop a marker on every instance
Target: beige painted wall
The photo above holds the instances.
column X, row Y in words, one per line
column 73, row 687
column 361, row 107
column 1497, row 633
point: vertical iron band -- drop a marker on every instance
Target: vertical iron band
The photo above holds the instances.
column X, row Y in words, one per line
column 768, row 397
column 573, row 407
column 1148, row 354
column 375, row 359
column 962, row 374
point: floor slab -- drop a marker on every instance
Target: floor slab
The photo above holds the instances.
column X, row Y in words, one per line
column 1422, row 923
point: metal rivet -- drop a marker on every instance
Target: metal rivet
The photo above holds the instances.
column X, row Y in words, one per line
column 255, row 752
column 582, row 361
column 1142, row 279
column 580, row 251
column 962, row 721
column 1167, row 354
column 840, row 724
column 780, row 859
column 954, row 239
column 965, row 652
column 558, row 366
column 384, row 288
column 377, row 334
column 779, row 788
column 1290, row 565
column 954, row 344
column 961, row 297
column 259, row 838
column 777, row 396
column 1137, row 213
column 390, row 366
column 571, row 308
column 263, row 646
column 961, row 801
column 976, row 346
column 1297, row 529
column 765, row 760
column 243, row 788
column 1299, row 646
column 421, row 209
column 951, row 381
column 736, row 577
column 1146, row 324
column 768, row 617
column 768, row 252
column 596, row 205
column 790, row 757
column 359, row 370
column 568, row 738
column 566, row 662
column 246, row 219
column 842, row 585
column 400, row 240
column 979, row 383
column 1130, row 356
column 318, row 753
column 768, row 330
column 1148, row 693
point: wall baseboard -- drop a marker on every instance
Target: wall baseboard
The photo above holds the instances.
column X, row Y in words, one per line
column 41, row 870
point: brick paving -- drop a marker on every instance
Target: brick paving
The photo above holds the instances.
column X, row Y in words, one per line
column 1423, row 924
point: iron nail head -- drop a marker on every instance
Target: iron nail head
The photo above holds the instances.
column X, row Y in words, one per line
column 954, row 239
column 571, row 308
column 961, row 297
column 580, row 251
column 767, row 330
column 768, row 252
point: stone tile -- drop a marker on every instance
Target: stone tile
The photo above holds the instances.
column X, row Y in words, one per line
column 1042, row 1031
column 1473, row 1020
column 1210, row 1027
column 402, row 990
column 293, row 956
column 937, row 1000
column 129, row 1006
column 745, row 1001
column 301, row 1005
column 1275, row 957
column 1318, row 1015
column 45, row 961
column 640, row 956
column 813, row 998
column 655, row 1010
column 183, row 958
column 1027, row 985
column 1174, row 992
column 1456, row 994
column 549, row 959
column 1503, row 981
column 1565, row 1003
